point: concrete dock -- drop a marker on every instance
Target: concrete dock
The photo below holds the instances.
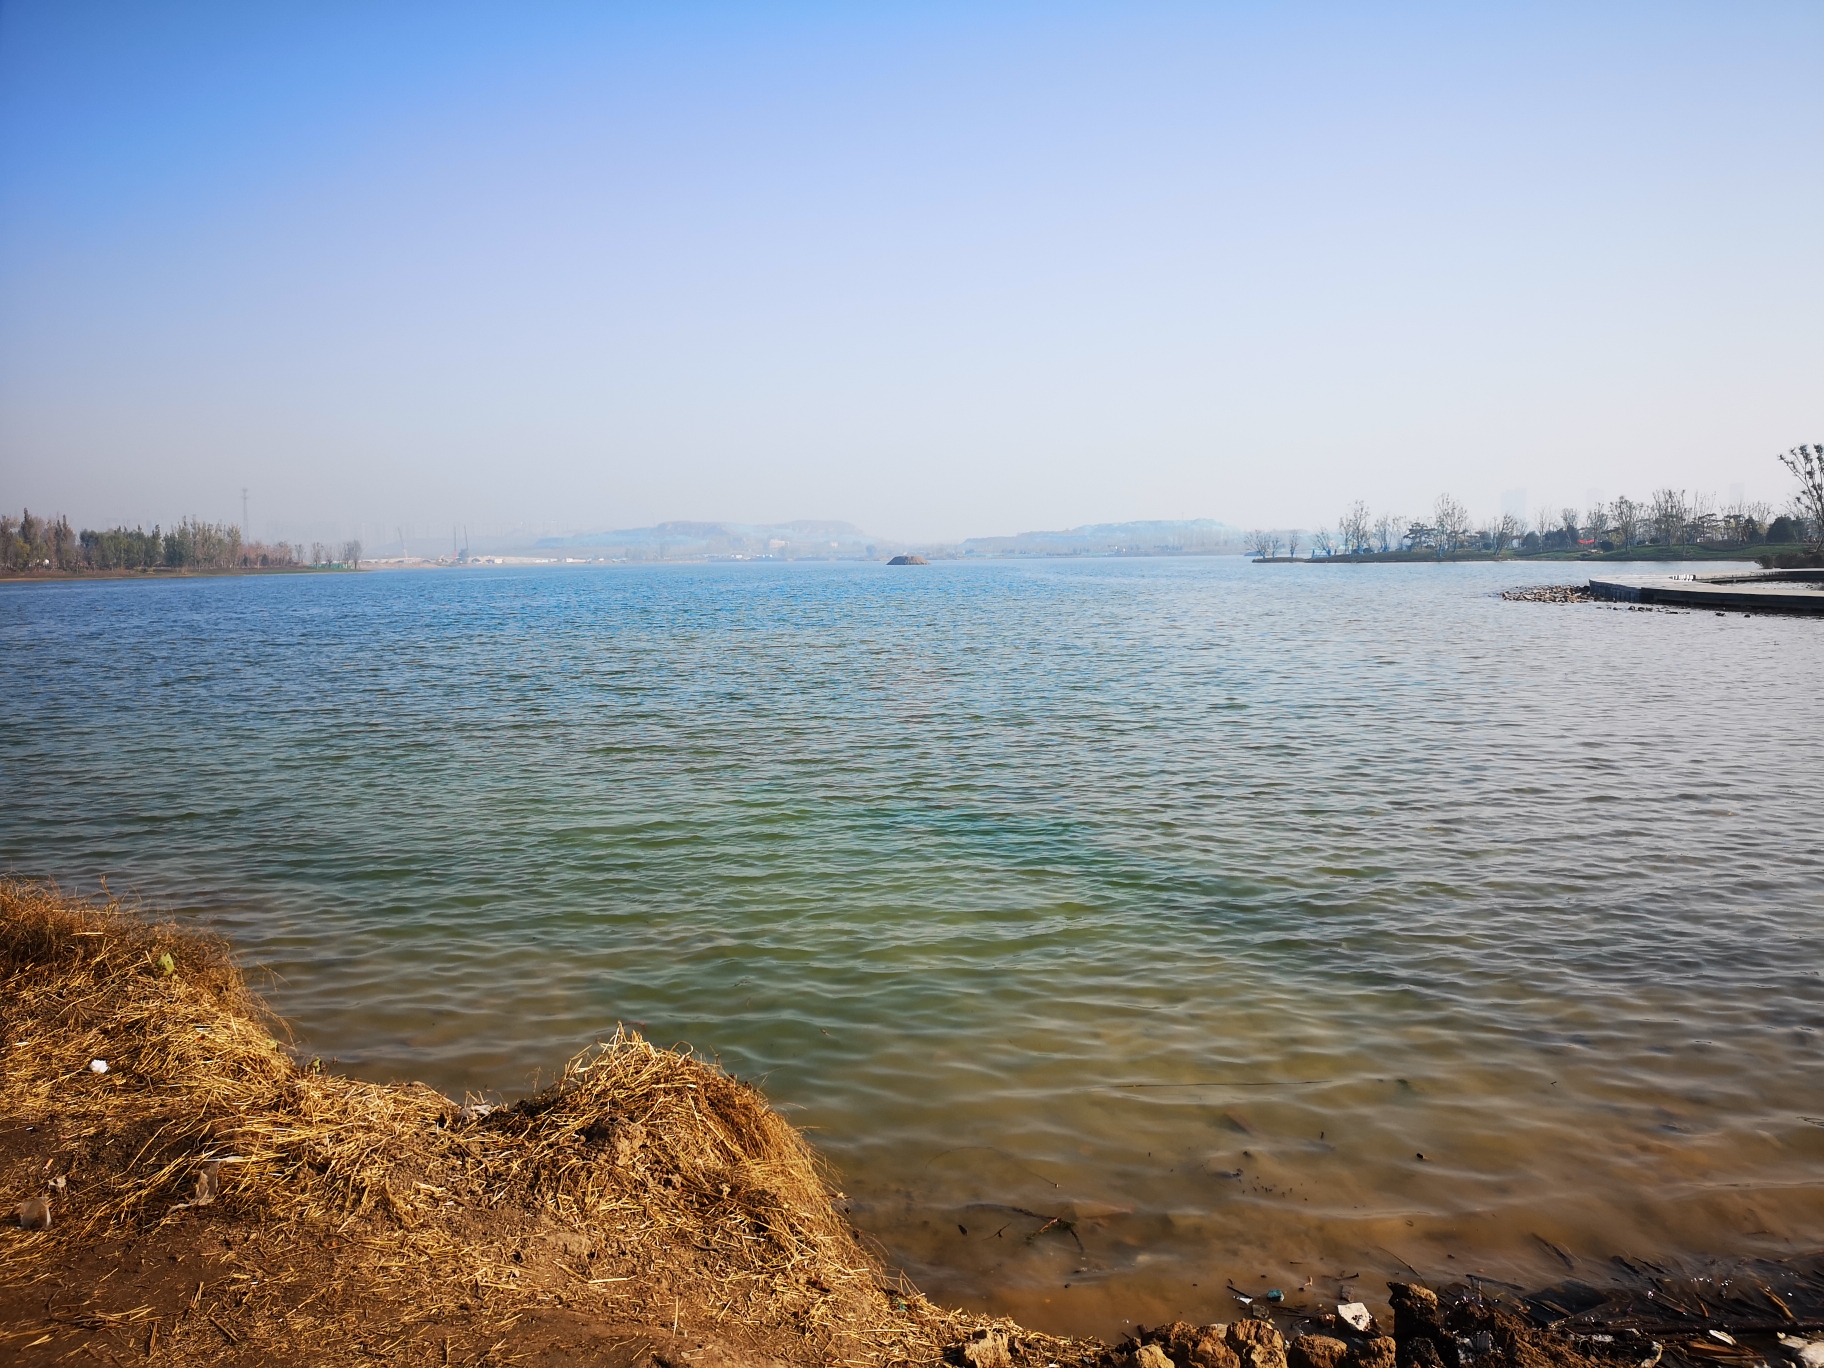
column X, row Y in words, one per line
column 1770, row 591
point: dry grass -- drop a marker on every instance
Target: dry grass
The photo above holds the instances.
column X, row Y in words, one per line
column 644, row 1187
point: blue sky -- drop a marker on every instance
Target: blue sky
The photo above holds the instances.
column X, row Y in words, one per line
column 938, row 270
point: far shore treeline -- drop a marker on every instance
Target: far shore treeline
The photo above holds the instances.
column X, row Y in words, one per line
column 1671, row 523
column 30, row 544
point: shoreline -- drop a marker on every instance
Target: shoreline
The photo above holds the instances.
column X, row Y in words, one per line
column 1641, row 555
column 215, row 1198
column 170, row 573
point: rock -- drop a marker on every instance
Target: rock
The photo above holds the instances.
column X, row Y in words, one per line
column 1417, row 1315
column 988, row 1349
column 34, row 1213
column 908, row 560
column 1810, row 1356
column 1356, row 1316
column 1316, row 1351
column 1257, row 1344
column 1152, row 1356
column 1375, row 1353
column 1421, row 1352
column 1194, row 1346
column 1210, row 1349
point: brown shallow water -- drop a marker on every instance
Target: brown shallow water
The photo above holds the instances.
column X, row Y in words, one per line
column 1121, row 929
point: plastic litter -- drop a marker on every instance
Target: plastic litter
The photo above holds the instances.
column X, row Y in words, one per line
column 1721, row 1337
column 98, row 1066
column 1355, row 1316
column 55, row 1184
column 166, row 965
column 1275, row 1295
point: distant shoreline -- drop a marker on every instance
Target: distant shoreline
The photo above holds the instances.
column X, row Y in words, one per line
column 1633, row 553
column 170, row 572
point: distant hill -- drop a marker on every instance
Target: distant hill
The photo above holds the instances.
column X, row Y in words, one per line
column 1197, row 535
column 816, row 539
column 805, row 539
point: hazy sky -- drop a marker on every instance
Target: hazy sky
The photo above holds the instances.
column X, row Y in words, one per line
column 939, row 269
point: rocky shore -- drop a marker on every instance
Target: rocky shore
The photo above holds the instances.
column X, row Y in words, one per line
column 182, row 1189
column 1550, row 593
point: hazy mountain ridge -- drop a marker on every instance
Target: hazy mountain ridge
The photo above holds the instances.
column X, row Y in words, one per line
column 825, row 539
column 803, row 538
column 1156, row 537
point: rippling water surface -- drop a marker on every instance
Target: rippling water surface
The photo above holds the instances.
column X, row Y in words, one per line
column 1190, row 901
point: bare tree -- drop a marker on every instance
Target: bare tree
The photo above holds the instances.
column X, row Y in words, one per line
column 1669, row 515
column 351, row 554
column 1596, row 522
column 1701, row 518
column 1387, row 531
column 1355, row 529
column 1624, row 521
column 1452, row 521
column 1807, row 466
column 1292, row 536
column 1275, row 542
column 1321, row 541
column 1261, row 543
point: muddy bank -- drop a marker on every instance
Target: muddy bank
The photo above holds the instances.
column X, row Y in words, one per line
column 213, row 1199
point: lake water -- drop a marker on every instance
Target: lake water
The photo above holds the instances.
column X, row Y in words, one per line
column 1189, row 901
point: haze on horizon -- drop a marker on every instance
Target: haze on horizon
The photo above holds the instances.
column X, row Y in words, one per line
column 935, row 270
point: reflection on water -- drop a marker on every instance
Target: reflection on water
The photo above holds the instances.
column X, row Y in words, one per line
column 1121, row 928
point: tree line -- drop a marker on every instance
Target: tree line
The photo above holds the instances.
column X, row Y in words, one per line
column 1669, row 518
column 29, row 543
